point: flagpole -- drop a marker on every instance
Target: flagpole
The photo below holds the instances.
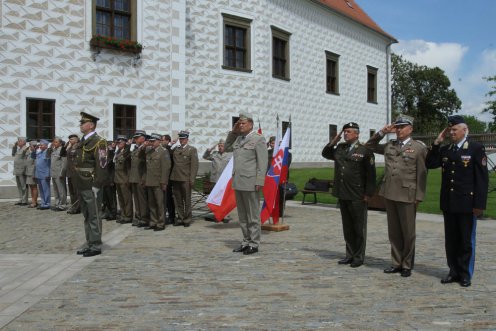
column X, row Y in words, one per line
column 285, row 182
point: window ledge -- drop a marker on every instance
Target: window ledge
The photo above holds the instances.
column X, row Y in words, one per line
column 118, row 45
column 372, row 102
column 333, row 93
column 237, row 69
column 281, row 78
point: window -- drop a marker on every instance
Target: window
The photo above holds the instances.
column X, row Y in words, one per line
column 371, row 84
column 332, row 72
column 333, row 131
column 115, row 18
column 280, row 53
column 236, row 43
column 40, row 123
column 234, row 119
column 124, row 120
column 285, row 126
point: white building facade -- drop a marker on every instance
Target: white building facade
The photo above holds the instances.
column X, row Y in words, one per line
column 201, row 64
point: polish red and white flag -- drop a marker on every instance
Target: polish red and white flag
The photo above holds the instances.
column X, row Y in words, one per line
column 222, row 200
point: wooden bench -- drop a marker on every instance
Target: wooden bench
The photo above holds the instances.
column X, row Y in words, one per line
column 314, row 186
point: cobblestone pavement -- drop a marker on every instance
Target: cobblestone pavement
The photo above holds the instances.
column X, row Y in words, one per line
column 189, row 278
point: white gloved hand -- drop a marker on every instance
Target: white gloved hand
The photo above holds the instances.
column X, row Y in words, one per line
column 95, row 190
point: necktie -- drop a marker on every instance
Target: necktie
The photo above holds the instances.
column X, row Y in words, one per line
column 455, row 148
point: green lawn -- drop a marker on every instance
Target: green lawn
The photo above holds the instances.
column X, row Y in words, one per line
column 429, row 205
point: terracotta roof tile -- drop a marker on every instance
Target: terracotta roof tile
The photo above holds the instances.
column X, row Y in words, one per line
column 352, row 10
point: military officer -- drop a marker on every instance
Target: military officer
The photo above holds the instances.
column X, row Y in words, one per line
column 58, row 167
column 42, row 174
column 219, row 159
column 403, row 187
column 71, row 152
column 169, row 197
column 158, row 166
column 250, row 166
column 463, row 195
column 137, row 176
column 91, row 163
column 20, row 152
column 354, row 183
column 185, row 160
column 122, row 164
column 30, row 179
column 109, row 201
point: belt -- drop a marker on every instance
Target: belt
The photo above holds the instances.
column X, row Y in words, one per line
column 85, row 169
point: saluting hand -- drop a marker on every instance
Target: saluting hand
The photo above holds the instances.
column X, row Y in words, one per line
column 440, row 137
column 336, row 139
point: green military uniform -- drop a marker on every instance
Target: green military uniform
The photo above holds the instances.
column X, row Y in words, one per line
column 183, row 175
column 137, row 175
column 158, row 166
column 71, row 154
column 249, row 170
column 354, row 178
column 403, row 185
column 219, row 162
column 91, row 162
column 122, row 164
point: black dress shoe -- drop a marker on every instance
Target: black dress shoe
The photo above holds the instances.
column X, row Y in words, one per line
column 178, row 224
column 73, row 212
column 449, row 279
column 406, row 273
column 150, row 227
column 142, row 225
column 82, row 251
column 23, row 204
column 465, row 283
column 392, row 270
column 250, row 250
column 346, row 260
column 241, row 249
column 91, row 253
column 17, row 203
column 186, row 225
column 159, row 229
column 356, row 264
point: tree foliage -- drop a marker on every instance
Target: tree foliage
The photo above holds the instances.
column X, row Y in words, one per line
column 475, row 125
column 423, row 93
column 491, row 104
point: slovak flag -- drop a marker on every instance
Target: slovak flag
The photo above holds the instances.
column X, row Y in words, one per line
column 221, row 201
column 276, row 175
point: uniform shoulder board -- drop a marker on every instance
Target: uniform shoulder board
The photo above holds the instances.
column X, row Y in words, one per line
column 393, row 140
column 421, row 142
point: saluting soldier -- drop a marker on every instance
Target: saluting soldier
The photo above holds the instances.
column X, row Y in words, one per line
column 137, row 176
column 109, row 202
column 463, row 196
column 20, row 153
column 250, row 167
column 122, row 164
column 220, row 158
column 403, row 187
column 30, row 168
column 42, row 174
column 58, row 167
column 158, row 166
column 183, row 177
column 354, row 183
column 71, row 153
column 91, row 164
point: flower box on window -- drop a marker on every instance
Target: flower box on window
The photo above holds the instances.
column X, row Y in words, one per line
column 122, row 45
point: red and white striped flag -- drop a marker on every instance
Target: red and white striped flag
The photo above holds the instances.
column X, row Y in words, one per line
column 221, row 201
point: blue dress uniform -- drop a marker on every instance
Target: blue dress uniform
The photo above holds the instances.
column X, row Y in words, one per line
column 42, row 173
column 464, row 188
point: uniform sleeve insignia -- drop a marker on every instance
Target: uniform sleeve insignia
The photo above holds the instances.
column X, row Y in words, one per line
column 484, row 161
column 372, row 161
column 465, row 145
column 420, row 142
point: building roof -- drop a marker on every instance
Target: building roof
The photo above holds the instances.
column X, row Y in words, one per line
column 352, row 10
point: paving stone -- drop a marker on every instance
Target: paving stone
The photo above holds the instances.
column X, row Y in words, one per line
column 189, row 278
